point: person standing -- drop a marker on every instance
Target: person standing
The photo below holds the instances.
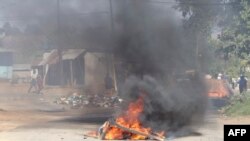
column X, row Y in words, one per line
column 234, row 83
column 108, row 84
column 39, row 84
column 242, row 84
column 219, row 77
column 33, row 82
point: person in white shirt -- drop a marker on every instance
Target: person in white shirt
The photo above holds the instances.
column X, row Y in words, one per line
column 33, row 82
column 219, row 76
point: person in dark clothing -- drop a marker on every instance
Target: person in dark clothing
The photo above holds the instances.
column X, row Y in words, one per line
column 108, row 82
column 242, row 84
column 39, row 84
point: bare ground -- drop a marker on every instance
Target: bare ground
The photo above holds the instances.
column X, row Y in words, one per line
column 30, row 117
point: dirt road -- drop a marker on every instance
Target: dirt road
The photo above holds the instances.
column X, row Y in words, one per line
column 30, row 117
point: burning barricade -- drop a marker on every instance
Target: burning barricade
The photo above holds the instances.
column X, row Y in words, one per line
column 128, row 126
column 218, row 88
column 148, row 112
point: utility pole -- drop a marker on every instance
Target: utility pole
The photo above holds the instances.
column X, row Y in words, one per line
column 197, row 50
column 59, row 48
column 111, row 16
column 112, row 38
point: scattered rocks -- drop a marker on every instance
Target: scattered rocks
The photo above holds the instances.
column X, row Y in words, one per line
column 79, row 101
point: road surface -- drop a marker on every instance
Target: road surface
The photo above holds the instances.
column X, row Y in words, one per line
column 30, row 117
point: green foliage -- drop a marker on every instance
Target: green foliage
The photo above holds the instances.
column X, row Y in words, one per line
column 199, row 18
column 232, row 47
column 200, row 15
column 217, row 63
column 239, row 105
column 229, row 63
column 235, row 36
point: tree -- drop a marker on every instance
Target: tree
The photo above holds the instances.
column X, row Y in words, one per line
column 233, row 42
column 235, row 34
column 200, row 17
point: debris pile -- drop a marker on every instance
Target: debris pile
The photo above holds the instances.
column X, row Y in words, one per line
column 79, row 101
column 128, row 126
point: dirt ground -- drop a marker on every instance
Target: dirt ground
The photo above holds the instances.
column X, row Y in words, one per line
column 31, row 117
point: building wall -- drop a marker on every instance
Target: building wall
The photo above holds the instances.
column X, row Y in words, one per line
column 5, row 72
column 6, row 63
column 96, row 67
column 21, row 76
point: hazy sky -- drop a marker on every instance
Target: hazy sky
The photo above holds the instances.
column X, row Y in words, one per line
column 82, row 19
column 22, row 12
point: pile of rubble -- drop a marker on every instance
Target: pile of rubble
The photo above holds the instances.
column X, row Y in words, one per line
column 79, row 101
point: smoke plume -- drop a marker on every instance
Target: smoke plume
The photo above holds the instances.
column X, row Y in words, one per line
column 147, row 36
column 154, row 45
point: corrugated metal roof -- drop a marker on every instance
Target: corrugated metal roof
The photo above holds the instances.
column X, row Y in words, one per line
column 72, row 54
column 49, row 58
column 52, row 57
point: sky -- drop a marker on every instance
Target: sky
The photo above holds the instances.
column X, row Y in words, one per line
column 82, row 19
column 23, row 12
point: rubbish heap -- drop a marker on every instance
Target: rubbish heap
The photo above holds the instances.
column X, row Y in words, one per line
column 79, row 101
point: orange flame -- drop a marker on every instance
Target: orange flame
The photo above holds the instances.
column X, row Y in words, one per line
column 130, row 119
column 217, row 88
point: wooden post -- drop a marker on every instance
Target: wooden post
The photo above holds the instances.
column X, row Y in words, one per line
column 197, row 51
column 71, row 73
column 59, row 48
column 114, row 73
column 150, row 136
column 46, row 69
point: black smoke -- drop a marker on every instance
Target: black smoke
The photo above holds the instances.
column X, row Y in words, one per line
column 159, row 56
column 177, row 108
column 151, row 39
column 148, row 37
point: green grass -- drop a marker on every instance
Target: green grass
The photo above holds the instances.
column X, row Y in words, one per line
column 239, row 106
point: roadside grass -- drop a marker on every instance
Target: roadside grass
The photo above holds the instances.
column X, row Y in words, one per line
column 239, row 105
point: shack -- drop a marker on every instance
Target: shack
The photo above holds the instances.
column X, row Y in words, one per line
column 81, row 68
column 6, row 64
column 73, row 67
column 97, row 66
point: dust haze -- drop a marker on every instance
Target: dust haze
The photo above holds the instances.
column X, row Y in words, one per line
column 149, row 38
